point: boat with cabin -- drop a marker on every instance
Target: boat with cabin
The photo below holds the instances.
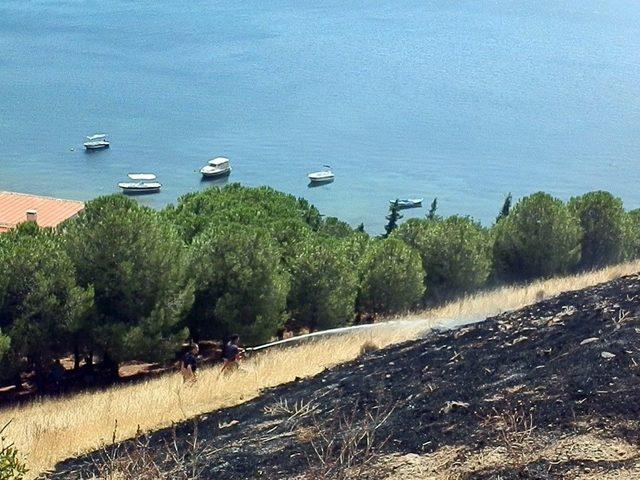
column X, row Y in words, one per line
column 96, row 142
column 216, row 168
column 408, row 202
column 142, row 183
column 323, row 176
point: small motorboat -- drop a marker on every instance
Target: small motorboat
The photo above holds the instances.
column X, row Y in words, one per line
column 323, row 176
column 218, row 167
column 408, row 202
column 142, row 183
column 96, row 142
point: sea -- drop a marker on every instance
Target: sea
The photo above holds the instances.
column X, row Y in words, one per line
column 463, row 100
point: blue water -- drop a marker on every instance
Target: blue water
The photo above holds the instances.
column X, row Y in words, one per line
column 463, row 100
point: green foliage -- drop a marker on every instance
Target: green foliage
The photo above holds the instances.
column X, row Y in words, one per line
column 136, row 263
column 506, row 207
column 433, row 209
column 125, row 281
column 5, row 345
column 12, row 466
column 240, row 284
column 40, row 302
column 333, row 227
column 633, row 237
column 392, row 219
column 539, row 238
column 391, row 277
column 324, row 285
column 262, row 207
column 605, row 228
column 8, row 366
column 455, row 252
column 354, row 247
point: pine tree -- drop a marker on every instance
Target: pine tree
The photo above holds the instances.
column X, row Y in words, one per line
column 506, row 207
column 393, row 217
column 432, row 210
column 360, row 228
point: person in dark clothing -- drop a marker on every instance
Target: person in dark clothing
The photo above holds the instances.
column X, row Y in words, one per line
column 231, row 352
column 190, row 364
column 57, row 375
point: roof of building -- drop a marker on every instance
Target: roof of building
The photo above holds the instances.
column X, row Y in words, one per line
column 50, row 211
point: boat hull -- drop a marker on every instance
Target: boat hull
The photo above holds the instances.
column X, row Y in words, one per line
column 403, row 204
column 139, row 189
column 95, row 146
column 321, row 179
column 215, row 174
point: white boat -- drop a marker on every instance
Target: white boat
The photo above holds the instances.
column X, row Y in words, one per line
column 143, row 183
column 95, row 142
column 218, row 167
column 322, row 176
column 408, row 202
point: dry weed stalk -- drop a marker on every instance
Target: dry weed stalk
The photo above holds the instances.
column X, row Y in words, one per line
column 515, row 430
column 137, row 459
column 298, row 409
column 346, row 445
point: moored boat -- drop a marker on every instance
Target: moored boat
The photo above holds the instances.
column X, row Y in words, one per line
column 218, row 167
column 408, row 202
column 96, row 142
column 323, row 176
column 142, row 183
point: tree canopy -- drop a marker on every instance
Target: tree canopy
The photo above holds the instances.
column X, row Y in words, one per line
column 240, row 285
column 605, row 228
column 127, row 282
column 323, row 285
column 455, row 252
column 40, row 302
column 135, row 262
column 539, row 238
column 391, row 277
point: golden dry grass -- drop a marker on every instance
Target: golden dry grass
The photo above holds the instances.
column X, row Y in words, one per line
column 493, row 302
column 50, row 430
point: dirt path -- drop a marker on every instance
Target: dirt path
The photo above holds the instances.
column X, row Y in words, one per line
column 549, row 391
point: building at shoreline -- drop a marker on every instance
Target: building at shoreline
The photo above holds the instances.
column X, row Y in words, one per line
column 16, row 208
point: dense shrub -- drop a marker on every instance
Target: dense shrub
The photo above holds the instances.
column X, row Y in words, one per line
column 455, row 252
column 136, row 264
column 605, row 228
column 391, row 278
column 539, row 238
column 240, row 284
column 323, row 286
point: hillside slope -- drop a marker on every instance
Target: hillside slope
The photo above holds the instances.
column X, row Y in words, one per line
column 549, row 391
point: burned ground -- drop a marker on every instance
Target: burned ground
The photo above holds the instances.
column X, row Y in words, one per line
column 548, row 391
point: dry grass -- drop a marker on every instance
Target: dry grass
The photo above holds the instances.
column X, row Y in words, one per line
column 47, row 431
column 50, row 430
column 494, row 302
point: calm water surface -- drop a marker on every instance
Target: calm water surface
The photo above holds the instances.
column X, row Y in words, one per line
column 463, row 100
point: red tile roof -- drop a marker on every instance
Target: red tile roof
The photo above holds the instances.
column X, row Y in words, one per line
column 51, row 211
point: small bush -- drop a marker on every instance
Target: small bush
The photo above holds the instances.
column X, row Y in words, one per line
column 11, row 465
